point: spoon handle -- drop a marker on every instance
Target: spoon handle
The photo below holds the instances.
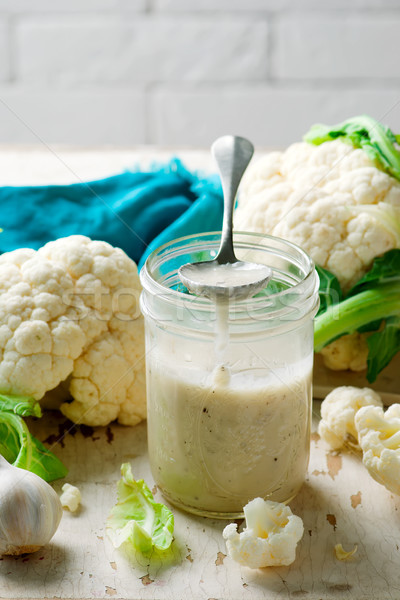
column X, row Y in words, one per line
column 232, row 155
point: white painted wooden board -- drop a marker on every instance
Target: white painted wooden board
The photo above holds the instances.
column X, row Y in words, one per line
column 338, row 503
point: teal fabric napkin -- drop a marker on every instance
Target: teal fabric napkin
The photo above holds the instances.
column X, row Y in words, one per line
column 136, row 211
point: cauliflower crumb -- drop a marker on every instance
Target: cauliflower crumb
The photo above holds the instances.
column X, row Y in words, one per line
column 269, row 538
column 70, row 497
column 341, row 554
column 338, row 411
column 379, row 437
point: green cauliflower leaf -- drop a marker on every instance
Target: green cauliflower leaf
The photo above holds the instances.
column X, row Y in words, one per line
column 137, row 519
column 18, row 446
column 375, row 139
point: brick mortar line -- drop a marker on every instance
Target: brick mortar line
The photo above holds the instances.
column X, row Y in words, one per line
column 149, row 15
column 152, row 10
column 340, row 11
column 93, row 18
column 106, row 13
column 343, row 10
column 275, row 85
column 270, row 85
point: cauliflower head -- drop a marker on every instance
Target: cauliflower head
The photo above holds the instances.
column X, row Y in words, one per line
column 69, row 315
column 270, row 537
column 379, row 437
column 338, row 411
column 330, row 199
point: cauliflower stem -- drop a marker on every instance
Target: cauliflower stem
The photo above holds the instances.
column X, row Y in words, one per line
column 356, row 312
column 374, row 300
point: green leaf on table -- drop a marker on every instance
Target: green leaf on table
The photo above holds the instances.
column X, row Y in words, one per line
column 137, row 519
column 20, row 448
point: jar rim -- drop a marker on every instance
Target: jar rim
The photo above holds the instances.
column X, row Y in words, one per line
column 305, row 288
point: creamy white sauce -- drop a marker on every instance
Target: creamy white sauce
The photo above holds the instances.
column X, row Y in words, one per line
column 219, row 439
column 215, row 442
column 238, row 280
column 229, row 274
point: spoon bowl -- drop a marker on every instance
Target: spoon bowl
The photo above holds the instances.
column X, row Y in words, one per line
column 212, row 279
column 226, row 276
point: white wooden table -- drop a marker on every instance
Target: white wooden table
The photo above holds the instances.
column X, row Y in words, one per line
column 339, row 503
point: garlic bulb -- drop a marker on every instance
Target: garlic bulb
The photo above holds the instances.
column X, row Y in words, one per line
column 30, row 510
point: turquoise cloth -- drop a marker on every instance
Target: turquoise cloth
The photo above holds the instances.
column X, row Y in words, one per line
column 136, row 211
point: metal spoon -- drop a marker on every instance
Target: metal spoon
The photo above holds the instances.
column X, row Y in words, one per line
column 226, row 276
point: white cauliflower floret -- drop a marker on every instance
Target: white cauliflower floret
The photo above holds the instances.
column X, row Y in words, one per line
column 269, row 538
column 320, row 198
column 348, row 352
column 71, row 497
column 379, row 437
column 338, row 412
column 107, row 376
column 70, row 312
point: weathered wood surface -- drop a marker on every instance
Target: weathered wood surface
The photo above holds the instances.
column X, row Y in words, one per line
column 338, row 503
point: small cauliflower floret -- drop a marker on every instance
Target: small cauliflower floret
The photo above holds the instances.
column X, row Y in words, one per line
column 69, row 316
column 348, row 352
column 269, row 538
column 379, row 438
column 338, row 411
column 70, row 497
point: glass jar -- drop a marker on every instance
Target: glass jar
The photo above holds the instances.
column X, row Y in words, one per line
column 229, row 422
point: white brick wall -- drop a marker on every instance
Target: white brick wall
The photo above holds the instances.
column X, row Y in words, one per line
column 181, row 72
column 141, row 50
column 81, row 117
column 320, row 46
column 269, row 117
